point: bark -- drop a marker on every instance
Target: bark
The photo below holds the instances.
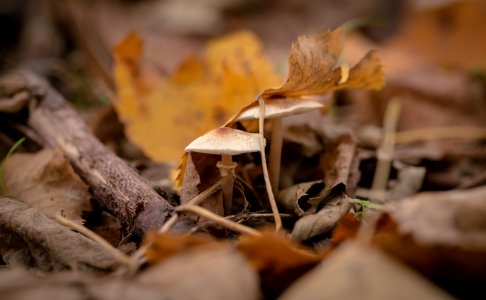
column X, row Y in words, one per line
column 117, row 187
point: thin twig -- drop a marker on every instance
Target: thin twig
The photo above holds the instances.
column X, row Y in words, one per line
column 385, row 152
column 218, row 219
column 138, row 257
column 268, row 186
column 119, row 256
column 194, row 201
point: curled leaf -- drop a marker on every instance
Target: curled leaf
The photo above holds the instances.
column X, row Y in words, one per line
column 314, row 68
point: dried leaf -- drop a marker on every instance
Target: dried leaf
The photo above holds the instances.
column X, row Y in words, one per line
column 299, row 198
column 408, row 183
column 440, row 234
column 198, row 97
column 347, row 228
column 339, row 164
column 356, row 271
column 453, row 218
column 15, row 103
column 47, row 181
column 340, row 171
column 199, row 174
column 314, row 68
column 325, row 218
column 29, row 238
column 220, row 273
column 279, row 260
column 164, row 246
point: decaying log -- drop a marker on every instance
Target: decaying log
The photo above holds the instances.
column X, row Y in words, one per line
column 113, row 183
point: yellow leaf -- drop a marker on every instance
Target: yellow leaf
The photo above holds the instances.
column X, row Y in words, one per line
column 162, row 115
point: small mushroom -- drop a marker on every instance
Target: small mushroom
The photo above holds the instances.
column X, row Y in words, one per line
column 275, row 110
column 226, row 142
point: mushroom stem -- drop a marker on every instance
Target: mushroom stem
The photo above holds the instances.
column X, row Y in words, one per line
column 227, row 169
column 275, row 153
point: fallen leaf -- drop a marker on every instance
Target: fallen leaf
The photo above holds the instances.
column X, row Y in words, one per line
column 220, row 273
column 408, row 183
column 29, row 238
column 279, row 260
column 440, row 234
column 200, row 172
column 298, row 198
column 314, row 68
column 339, row 166
column 47, row 181
column 331, row 210
column 201, row 95
column 452, row 218
column 355, row 271
column 347, row 228
column 163, row 246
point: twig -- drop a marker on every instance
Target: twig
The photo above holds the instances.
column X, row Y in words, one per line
column 194, row 201
column 119, row 256
column 138, row 257
column 268, row 186
column 385, row 152
column 218, row 219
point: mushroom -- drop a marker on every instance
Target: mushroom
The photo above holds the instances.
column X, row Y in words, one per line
column 226, row 142
column 275, row 110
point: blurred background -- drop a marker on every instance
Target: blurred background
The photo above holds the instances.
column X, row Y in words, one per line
column 433, row 54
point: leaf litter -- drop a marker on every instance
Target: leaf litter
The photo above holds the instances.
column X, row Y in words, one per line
column 325, row 166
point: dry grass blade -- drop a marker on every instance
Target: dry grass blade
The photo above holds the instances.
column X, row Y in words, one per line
column 121, row 257
column 218, row 219
column 435, row 133
column 385, row 152
column 194, row 201
column 268, row 186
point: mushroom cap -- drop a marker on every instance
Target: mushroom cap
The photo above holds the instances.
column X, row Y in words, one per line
column 225, row 140
column 280, row 108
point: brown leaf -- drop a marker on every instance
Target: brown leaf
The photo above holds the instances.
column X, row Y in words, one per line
column 200, row 173
column 29, row 238
column 453, row 218
column 340, row 172
column 314, row 68
column 356, row 271
column 328, row 214
column 279, row 260
column 47, row 181
column 164, row 246
column 220, row 273
column 440, row 234
column 338, row 163
column 300, row 197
